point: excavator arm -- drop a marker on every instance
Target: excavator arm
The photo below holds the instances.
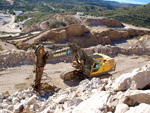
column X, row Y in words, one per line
column 41, row 56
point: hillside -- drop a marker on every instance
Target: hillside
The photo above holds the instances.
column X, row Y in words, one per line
column 46, row 4
column 138, row 16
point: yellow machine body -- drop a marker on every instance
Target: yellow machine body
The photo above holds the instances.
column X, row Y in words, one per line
column 102, row 65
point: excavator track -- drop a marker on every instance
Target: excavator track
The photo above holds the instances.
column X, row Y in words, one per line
column 70, row 74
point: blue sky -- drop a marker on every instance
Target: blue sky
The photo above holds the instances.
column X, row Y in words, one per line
column 132, row 1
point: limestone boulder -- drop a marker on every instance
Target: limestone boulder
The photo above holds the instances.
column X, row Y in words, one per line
column 142, row 108
column 121, row 108
column 31, row 100
column 5, row 111
column 137, row 79
column 61, row 99
column 116, row 99
column 95, row 83
column 73, row 103
column 95, row 104
column 140, row 96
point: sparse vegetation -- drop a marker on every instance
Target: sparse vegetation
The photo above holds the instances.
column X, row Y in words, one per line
column 138, row 16
column 36, row 17
column 20, row 18
column 52, row 25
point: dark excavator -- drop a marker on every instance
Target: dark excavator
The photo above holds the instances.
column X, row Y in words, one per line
column 89, row 66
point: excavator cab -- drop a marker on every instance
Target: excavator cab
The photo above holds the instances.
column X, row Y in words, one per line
column 99, row 64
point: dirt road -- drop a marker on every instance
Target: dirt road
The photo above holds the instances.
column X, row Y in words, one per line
column 128, row 26
column 30, row 41
column 19, row 78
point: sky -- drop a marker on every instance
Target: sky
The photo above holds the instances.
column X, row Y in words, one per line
column 132, row 1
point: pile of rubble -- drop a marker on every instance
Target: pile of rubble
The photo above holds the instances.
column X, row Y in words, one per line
column 123, row 95
column 14, row 58
column 144, row 42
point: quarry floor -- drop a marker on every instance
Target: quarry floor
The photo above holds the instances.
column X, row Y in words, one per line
column 19, row 78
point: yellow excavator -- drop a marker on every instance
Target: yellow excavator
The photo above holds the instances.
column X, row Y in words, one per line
column 89, row 66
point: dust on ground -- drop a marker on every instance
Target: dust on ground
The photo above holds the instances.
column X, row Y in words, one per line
column 20, row 78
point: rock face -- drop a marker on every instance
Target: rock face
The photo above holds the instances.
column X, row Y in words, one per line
column 14, row 58
column 59, row 35
column 76, row 30
column 103, row 21
column 89, row 36
column 137, row 79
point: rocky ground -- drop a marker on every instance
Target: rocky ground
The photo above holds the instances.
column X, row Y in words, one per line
column 125, row 94
column 123, row 91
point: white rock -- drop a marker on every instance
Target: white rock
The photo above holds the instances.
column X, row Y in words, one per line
column 16, row 93
column 53, row 105
column 31, row 109
column 61, row 99
column 6, row 94
column 142, row 108
column 22, row 96
column 1, row 97
column 72, row 103
column 18, row 108
column 15, row 100
column 96, row 104
column 137, row 79
column 67, row 111
column 105, row 80
column 93, row 84
column 5, row 105
column 115, row 99
column 1, row 106
column 31, row 100
column 47, row 110
column 10, row 107
column 59, row 109
column 35, row 107
column 5, row 111
column 121, row 108
column 9, row 98
column 94, row 90
column 1, row 100
column 43, row 105
column 141, row 96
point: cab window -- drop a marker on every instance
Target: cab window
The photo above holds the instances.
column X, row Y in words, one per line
column 88, row 64
column 97, row 65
